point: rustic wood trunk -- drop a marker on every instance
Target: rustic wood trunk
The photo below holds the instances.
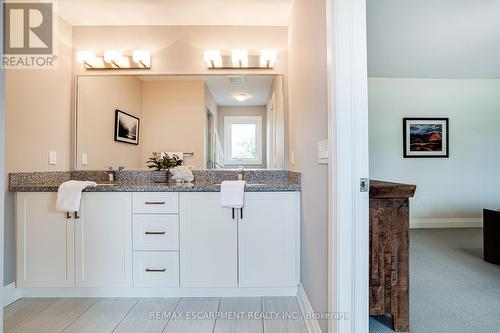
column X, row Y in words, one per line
column 389, row 245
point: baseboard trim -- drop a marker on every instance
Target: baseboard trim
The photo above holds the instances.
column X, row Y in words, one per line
column 10, row 294
column 312, row 324
column 446, row 223
column 158, row 292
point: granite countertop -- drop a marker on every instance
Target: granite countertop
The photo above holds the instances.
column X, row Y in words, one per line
column 197, row 186
column 205, row 182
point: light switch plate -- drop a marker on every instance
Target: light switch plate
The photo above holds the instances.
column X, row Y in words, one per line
column 84, row 159
column 323, row 152
column 52, row 158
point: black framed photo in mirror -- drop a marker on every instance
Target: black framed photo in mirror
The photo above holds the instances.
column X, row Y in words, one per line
column 126, row 128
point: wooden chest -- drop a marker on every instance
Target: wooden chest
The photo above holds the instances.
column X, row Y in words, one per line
column 389, row 257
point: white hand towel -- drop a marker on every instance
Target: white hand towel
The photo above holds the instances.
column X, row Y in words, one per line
column 69, row 195
column 182, row 173
column 232, row 193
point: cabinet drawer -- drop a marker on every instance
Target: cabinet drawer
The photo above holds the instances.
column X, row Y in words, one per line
column 155, row 203
column 156, row 269
column 156, row 232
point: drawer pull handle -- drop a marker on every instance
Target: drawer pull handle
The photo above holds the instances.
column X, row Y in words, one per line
column 155, row 202
column 156, row 270
column 155, row 233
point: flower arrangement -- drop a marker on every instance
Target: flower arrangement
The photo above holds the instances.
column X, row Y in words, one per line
column 163, row 161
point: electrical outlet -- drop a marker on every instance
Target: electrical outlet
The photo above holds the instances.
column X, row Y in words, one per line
column 84, row 159
column 52, row 158
column 292, row 157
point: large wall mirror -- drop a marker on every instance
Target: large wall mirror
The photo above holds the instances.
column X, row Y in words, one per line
column 214, row 122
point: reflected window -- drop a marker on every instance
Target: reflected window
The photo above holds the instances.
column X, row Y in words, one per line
column 243, row 139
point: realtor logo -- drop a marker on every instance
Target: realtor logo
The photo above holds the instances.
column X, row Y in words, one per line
column 28, row 35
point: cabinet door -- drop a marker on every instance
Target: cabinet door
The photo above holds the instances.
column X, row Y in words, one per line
column 103, row 240
column 268, row 236
column 208, row 242
column 45, row 242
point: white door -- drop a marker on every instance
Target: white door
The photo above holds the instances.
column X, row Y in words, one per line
column 45, row 242
column 269, row 238
column 103, row 240
column 208, row 242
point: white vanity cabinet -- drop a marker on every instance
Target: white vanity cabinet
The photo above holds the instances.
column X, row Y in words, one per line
column 103, row 240
column 45, row 242
column 158, row 243
column 268, row 240
column 257, row 247
column 90, row 249
column 208, row 241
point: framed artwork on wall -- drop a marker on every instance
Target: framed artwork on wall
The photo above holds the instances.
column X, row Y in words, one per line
column 426, row 137
column 126, row 128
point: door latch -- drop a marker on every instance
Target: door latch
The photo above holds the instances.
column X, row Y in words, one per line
column 364, row 185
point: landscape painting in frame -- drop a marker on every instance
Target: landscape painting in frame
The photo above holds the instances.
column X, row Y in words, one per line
column 426, row 137
column 126, row 128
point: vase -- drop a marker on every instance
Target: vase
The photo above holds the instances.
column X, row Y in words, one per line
column 160, row 176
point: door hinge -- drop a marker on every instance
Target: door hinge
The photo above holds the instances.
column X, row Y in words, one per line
column 364, row 185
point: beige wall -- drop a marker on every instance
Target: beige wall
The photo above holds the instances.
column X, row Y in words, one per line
column 174, row 118
column 38, row 120
column 98, row 97
column 179, row 49
column 308, row 125
column 244, row 111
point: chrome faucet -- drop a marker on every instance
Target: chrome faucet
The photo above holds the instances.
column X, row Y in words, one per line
column 240, row 173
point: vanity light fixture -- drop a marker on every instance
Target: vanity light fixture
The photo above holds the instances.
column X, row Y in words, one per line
column 113, row 57
column 86, row 57
column 241, row 97
column 142, row 58
column 239, row 58
column 212, row 58
column 268, row 58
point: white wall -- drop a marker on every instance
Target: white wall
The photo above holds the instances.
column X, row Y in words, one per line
column 308, row 124
column 456, row 187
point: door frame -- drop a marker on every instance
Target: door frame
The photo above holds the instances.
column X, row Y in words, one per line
column 2, row 168
column 348, row 235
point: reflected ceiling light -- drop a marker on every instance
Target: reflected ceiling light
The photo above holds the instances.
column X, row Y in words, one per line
column 212, row 58
column 239, row 58
column 241, row 97
column 142, row 57
column 268, row 58
column 86, row 57
column 113, row 57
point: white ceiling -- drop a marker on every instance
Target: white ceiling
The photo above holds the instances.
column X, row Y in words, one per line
column 434, row 39
column 222, row 89
column 175, row 12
